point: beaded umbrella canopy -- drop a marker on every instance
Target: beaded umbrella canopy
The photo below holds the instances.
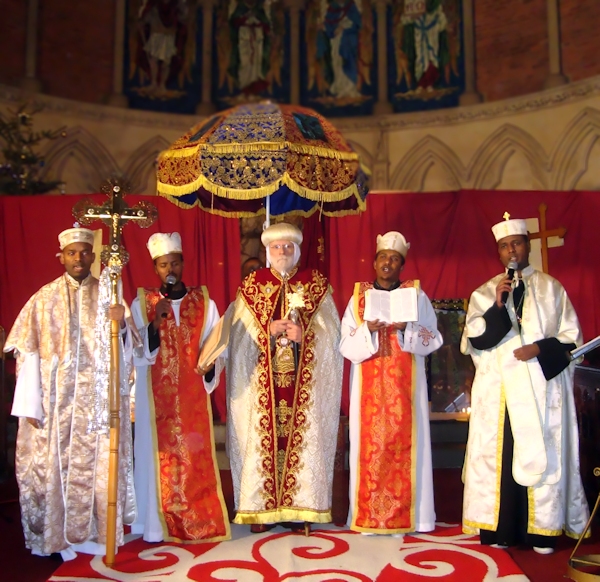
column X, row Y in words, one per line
column 250, row 158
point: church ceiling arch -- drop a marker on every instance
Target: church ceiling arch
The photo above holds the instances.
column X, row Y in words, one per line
column 410, row 173
column 571, row 157
column 90, row 154
column 489, row 163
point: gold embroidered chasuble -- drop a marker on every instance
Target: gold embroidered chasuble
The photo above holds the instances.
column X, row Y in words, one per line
column 283, row 409
column 191, row 504
column 62, row 471
column 386, row 470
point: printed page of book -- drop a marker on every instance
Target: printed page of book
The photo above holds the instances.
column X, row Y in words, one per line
column 216, row 342
column 397, row 306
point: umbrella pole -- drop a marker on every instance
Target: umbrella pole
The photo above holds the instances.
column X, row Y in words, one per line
column 268, row 220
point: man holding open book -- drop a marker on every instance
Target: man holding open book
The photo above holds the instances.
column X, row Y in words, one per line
column 388, row 329
column 177, row 479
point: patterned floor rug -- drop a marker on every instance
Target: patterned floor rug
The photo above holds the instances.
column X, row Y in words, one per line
column 330, row 554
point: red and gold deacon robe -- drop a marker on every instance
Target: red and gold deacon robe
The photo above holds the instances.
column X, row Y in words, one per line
column 283, row 408
column 177, row 476
column 391, row 478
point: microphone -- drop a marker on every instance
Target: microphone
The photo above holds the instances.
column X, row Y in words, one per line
column 512, row 267
column 169, row 281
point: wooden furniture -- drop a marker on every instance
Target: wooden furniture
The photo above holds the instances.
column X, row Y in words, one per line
column 587, row 404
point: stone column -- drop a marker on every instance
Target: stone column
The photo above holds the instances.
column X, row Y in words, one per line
column 117, row 98
column 470, row 96
column 382, row 106
column 206, row 106
column 381, row 163
column 30, row 82
column 294, row 7
column 555, row 77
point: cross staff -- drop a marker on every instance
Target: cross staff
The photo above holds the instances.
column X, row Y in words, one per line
column 544, row 235
column 115, row 213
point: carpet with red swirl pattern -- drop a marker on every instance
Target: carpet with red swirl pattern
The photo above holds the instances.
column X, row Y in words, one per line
column 330, row 554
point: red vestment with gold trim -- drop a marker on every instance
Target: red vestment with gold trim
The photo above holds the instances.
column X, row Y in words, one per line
column 285, row 381
column 191, row 500
column 386, row 477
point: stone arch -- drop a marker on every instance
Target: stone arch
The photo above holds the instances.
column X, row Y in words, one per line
column 94, row 162
column 489, row 162
column 571, row 157
column 140, row 169
column 411, row 171
column 365, row 156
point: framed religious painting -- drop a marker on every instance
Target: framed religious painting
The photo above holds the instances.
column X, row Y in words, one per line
column 449, row 373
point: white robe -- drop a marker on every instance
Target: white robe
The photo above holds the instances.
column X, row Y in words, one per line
column 542, row 413
column 148, row 520
column 62, row 467
column 360, row 346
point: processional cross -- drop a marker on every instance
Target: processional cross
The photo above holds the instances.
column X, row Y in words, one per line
column 115, row 213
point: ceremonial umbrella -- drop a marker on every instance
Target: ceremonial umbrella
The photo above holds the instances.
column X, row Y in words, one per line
column 264, row 158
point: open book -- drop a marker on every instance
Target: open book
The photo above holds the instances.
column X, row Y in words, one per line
column 216, row 342
column 397, row 306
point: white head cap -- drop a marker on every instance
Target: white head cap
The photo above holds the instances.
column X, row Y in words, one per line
column 73, row 235
column 392, row 241
column 281, row 231
column 164, row 243
column 509, row 227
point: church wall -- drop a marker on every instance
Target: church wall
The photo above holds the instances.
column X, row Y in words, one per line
column 76, row 46
column 580, row 22
column 12, row 40
column 511, row 47
column 546, row 140
column 75, row 50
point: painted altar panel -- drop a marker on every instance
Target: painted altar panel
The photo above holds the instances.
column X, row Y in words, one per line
column 251, row 48
column 339, row 61
column 162, row 55
column 450, row 373
column 425, row 55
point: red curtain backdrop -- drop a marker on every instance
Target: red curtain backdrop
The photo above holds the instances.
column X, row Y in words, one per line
column 452, row 248
column 28, row 244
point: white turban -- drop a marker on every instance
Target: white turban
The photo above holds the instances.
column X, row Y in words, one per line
column 392, row 241
column 164, row 243
column 281, row 231
column 509, row 227
column 73, row 235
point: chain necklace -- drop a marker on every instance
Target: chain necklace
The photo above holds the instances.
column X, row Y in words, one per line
column 520, row 317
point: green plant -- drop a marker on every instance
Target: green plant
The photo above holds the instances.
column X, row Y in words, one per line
column 22, row 165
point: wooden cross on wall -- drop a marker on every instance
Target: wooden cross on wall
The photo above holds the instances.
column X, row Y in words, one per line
column 545, row 234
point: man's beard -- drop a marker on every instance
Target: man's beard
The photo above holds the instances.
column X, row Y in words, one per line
column 283, row 265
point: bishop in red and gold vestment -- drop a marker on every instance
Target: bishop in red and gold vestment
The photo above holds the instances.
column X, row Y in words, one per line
column 176, row 473
column 391, row 477
column 284, row 380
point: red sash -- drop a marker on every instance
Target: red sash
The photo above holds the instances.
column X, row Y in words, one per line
column 192, row 502
column 265, row 294
column 385, row 485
